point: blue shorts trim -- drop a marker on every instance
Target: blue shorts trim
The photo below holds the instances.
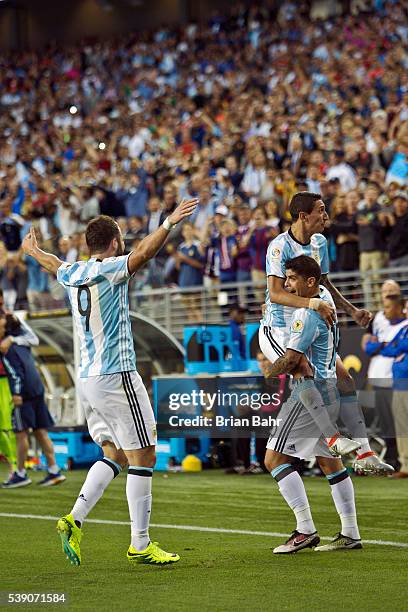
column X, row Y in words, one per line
column 32, row 414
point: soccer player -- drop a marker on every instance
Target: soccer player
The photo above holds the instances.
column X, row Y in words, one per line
column 117, row 407
column 297, row 434
column 309, row 217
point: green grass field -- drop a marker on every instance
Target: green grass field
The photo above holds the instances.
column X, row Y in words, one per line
column 218, row 571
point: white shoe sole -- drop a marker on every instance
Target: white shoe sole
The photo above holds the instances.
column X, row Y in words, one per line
column 53, row 482
column 17, row 485
column 356, row 546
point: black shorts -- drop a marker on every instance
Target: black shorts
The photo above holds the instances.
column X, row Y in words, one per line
column 33, row 414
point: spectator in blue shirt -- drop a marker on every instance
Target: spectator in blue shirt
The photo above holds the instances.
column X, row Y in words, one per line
column 226, row 247
column 398, row 349
column 10, row 226
column 236, row 319
column 38, row 283
column 190, row 261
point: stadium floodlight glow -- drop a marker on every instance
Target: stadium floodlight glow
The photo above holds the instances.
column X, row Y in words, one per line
column 73, row 109
column 102, row 146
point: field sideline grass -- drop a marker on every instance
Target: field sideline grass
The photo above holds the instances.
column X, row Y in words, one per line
column 218, row 571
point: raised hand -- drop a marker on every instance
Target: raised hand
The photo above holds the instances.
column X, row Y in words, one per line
column 29, row 244
column 183, row 210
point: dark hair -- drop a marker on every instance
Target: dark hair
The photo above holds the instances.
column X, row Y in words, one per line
column 13, row 325
column 100, row 232
column 303, row 201
column 305, row 266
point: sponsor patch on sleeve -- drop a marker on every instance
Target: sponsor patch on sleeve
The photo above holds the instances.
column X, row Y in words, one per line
column 297, row 326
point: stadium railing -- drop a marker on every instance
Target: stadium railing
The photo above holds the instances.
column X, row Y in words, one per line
column 174, row 308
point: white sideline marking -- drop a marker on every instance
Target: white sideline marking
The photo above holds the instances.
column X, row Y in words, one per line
column 268, row 534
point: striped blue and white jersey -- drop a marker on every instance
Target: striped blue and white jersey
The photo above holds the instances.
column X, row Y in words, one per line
column 309, row 335
column 282, row 248
column 98, row 292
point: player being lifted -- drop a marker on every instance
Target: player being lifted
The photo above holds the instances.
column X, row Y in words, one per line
column 298, row 434
column 309, row 218
column 116, row 405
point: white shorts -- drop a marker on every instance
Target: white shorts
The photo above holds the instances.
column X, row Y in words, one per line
column 118, row 410
column 296, row 433
column 273, row 341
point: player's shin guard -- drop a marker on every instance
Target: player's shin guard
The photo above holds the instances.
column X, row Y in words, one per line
column 353, row 418
column 313, row 402
column 139, row 497
column 99, row 476
column 293, row 491
column 342, row 491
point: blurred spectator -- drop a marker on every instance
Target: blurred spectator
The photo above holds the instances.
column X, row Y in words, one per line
column 10, row 226
column 398, row 238
column 38, row 283
column 397, row 349
column 372, row 244
column 273, row 219
column 258, row 239
column 380, row 368
column 66, row 252
column 205, row 209
column 134, row 195
column 14, row 282
column 254, row 178
column 170, row 272
column 190, row 263
column 226, row 250
column 344, row 230
column 90, row 207
column 243, row 258
column 155, row 215
column 340, row 169
column 236, row 320
column 313, row 178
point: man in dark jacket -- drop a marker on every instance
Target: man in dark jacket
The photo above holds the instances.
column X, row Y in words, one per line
column 30, row 409
column 398, row 243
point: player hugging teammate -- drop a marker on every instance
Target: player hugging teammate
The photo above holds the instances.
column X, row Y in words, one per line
column 299, row 336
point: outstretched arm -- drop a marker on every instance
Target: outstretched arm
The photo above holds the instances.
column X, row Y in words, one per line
column 47, row 260
column 360, row 315
column 152, row 244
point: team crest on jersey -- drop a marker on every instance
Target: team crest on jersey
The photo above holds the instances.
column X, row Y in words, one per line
column 297, row 326
column 276, row 252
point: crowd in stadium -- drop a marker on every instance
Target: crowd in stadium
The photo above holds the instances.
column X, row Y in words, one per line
column 242, row 112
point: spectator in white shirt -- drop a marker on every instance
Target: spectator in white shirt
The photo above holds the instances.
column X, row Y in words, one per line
column 254, row 178
column 343, row 171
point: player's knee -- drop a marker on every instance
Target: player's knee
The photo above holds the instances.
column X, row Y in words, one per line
column 144, row 457
column 150, row 457
column 330, row 465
